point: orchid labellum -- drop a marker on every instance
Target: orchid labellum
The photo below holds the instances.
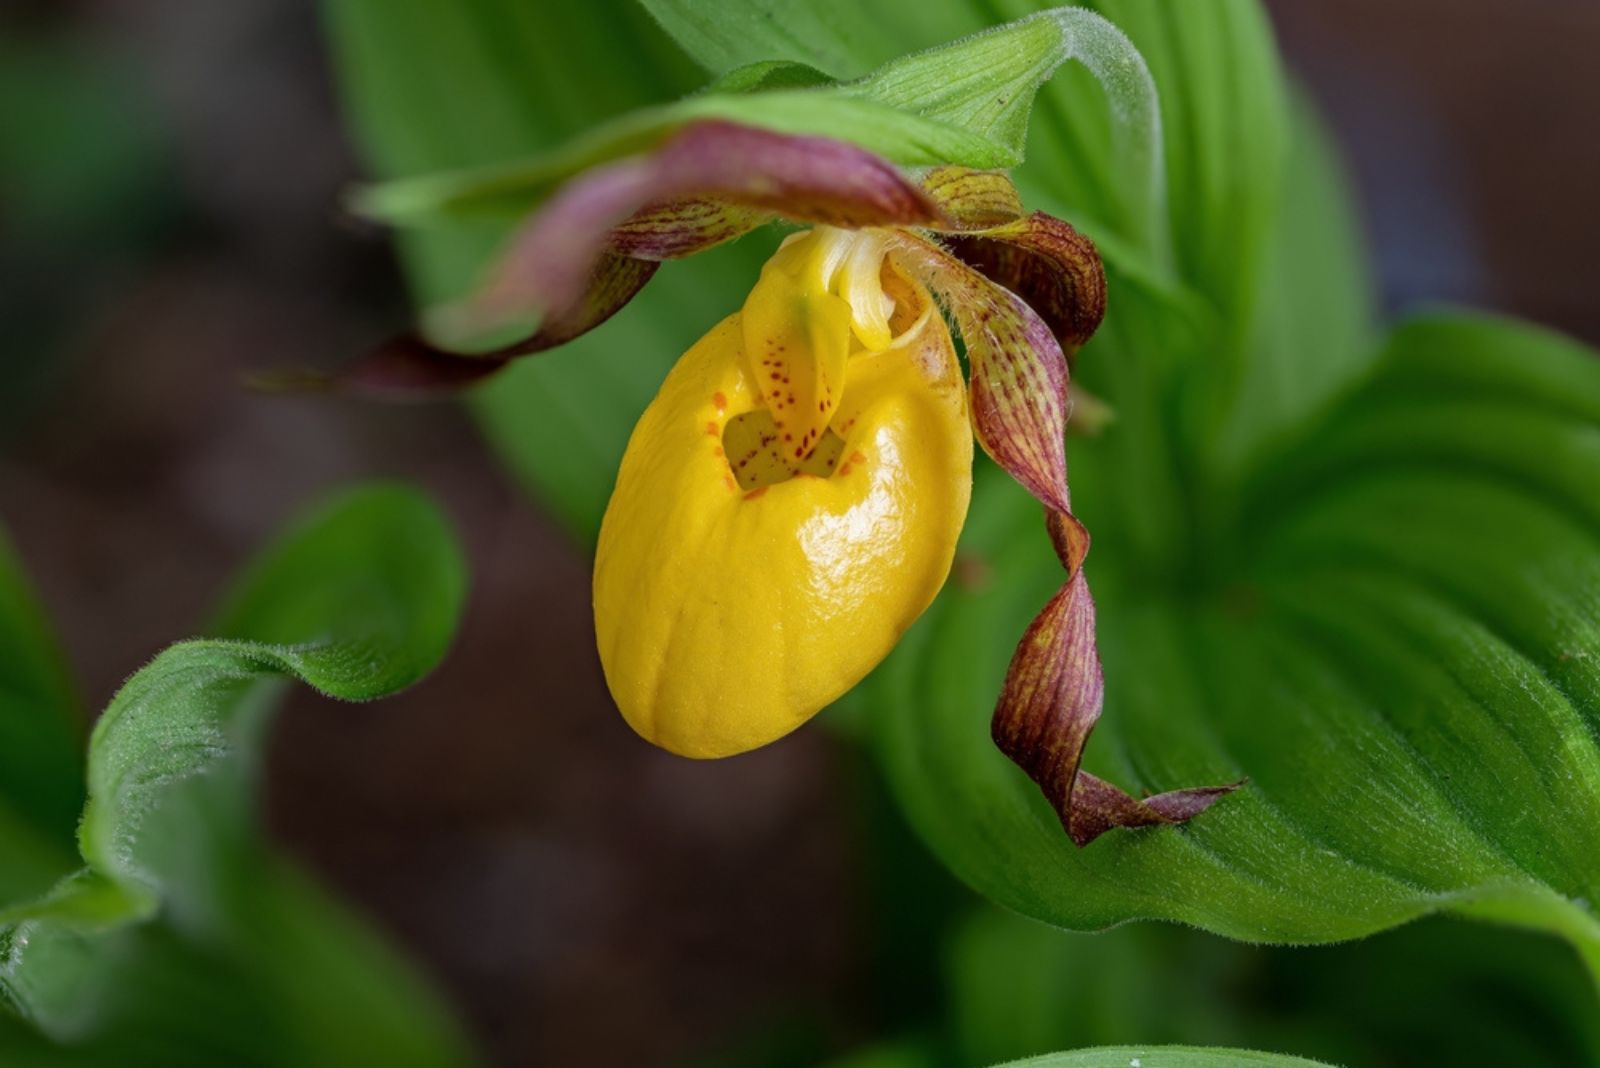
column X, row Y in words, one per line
column 790, row 502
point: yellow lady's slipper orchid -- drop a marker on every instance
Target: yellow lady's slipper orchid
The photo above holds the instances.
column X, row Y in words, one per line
column 787, row 506
column 790, row 502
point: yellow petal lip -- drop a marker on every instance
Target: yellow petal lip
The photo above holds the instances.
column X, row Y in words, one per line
column 796, row 337
column 727, row 617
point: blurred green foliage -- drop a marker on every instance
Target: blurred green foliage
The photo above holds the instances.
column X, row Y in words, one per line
column 87, row 179
column 183, row 940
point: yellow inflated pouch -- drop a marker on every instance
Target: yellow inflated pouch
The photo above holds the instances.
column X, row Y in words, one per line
column 754, row 564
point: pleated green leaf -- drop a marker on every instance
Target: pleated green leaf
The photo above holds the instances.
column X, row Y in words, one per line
column 1393, row 640
column 1225, row 122
column 178, row 906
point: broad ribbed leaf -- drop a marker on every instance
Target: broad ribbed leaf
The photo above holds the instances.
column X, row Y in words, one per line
column 41, row 781
column 1393, row 640
column 1313, row 330
column 359, row 601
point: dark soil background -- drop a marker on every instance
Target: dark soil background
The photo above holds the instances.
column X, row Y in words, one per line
column 168, row 223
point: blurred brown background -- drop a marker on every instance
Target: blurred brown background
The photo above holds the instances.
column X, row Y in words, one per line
column 572, row 890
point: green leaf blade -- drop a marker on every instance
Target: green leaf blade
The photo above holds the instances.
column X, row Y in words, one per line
column 1164, row 1057
column 359, row 600
column 1397, row 651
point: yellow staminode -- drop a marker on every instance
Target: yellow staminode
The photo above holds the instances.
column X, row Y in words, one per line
column 787, row 505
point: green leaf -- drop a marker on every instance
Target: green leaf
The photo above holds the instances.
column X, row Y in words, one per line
column 1393, row 641
column 41, row 781
column 1224, row 119
column 965, row 102
column 1314, row 327
column 1162, row 1057
column 358, row 601
column 512, row 190
column 1439, row 992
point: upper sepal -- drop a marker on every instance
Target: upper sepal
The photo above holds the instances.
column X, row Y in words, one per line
column 633, row 206
column 596, row 241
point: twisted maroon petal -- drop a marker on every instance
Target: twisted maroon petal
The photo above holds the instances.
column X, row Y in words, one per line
column 1051, row 700
column 1054, row 689
column 411, row 368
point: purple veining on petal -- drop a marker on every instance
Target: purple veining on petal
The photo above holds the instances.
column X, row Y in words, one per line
column 1018, row 373
column 972, row 200
column 631, row 206
column 1047, row 263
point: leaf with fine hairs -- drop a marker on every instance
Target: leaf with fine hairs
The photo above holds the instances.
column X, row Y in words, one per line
column 358, row 601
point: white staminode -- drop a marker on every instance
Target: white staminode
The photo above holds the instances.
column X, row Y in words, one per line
column 850, row 265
